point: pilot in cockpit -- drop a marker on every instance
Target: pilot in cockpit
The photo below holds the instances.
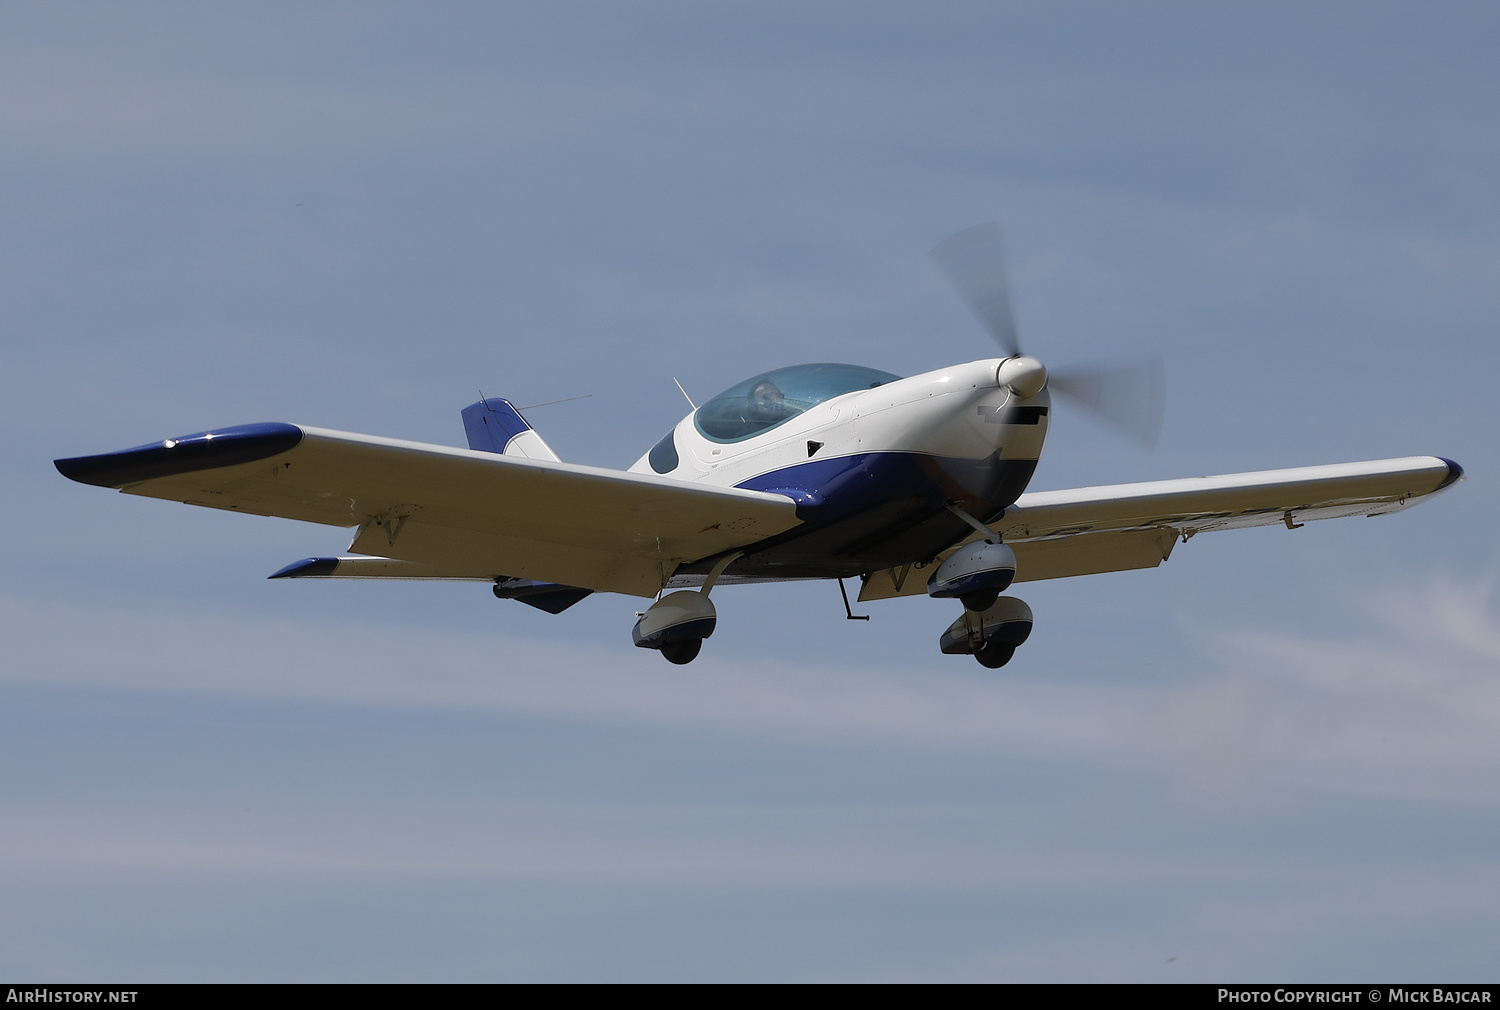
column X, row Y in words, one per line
column 765, row 403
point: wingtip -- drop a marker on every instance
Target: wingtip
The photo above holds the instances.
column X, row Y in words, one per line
column 1455, row 473
column 82, row 469
column 205, row 450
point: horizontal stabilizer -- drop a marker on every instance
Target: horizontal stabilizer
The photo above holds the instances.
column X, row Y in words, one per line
column 548, row 596
column 364, row 567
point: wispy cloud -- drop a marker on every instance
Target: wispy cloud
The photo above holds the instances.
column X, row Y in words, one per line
column 214, row 653
column 1404, row 700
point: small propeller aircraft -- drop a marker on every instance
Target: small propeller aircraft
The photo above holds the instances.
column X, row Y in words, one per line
column 822, row 471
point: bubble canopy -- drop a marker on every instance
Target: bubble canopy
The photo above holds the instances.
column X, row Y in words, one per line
column 766, row 400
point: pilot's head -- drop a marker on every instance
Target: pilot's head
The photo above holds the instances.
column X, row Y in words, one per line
column 765, row 402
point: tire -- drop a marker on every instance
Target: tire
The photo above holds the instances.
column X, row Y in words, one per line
column 979, row 599
column 994, row 655
column 682, row 653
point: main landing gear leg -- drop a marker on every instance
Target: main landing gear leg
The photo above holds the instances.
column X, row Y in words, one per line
column 989, row 635
column 677, row 624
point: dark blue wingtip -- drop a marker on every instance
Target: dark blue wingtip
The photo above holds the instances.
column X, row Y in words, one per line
column 1455, row 473
column 307, row 568
column 205, row 450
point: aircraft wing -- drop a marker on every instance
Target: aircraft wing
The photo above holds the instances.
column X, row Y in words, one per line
column 1120, row 527
column 453, row 510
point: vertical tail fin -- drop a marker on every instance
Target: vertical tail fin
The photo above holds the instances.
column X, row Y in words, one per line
column 496, row 426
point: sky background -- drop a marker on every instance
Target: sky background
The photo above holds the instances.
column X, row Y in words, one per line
column 1276, row 757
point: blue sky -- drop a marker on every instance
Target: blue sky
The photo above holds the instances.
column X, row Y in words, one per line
column 1275, row 757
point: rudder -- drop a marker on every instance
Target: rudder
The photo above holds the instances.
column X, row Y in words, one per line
column 496, row 426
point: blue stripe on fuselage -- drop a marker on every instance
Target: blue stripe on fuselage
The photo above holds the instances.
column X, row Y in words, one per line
column 875, row 510
column 833, row 488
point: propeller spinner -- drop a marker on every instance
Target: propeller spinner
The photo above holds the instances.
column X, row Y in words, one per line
column 1127, row 395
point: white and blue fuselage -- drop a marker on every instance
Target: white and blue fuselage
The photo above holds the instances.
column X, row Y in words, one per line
column 871, row 459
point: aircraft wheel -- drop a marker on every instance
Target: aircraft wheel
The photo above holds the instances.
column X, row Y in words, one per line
column 980, row 599
column 995, row 654
column 682, row 652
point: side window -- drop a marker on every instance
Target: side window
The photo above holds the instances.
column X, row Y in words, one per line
column 663, row 455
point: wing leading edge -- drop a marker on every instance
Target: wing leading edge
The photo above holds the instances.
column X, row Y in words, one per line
column 455, row 510
column 426, row 511
column 1084, row 531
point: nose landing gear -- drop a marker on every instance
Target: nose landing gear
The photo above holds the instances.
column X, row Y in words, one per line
column 976, row 574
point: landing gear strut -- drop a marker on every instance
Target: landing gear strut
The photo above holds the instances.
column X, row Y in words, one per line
column 677, row 624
